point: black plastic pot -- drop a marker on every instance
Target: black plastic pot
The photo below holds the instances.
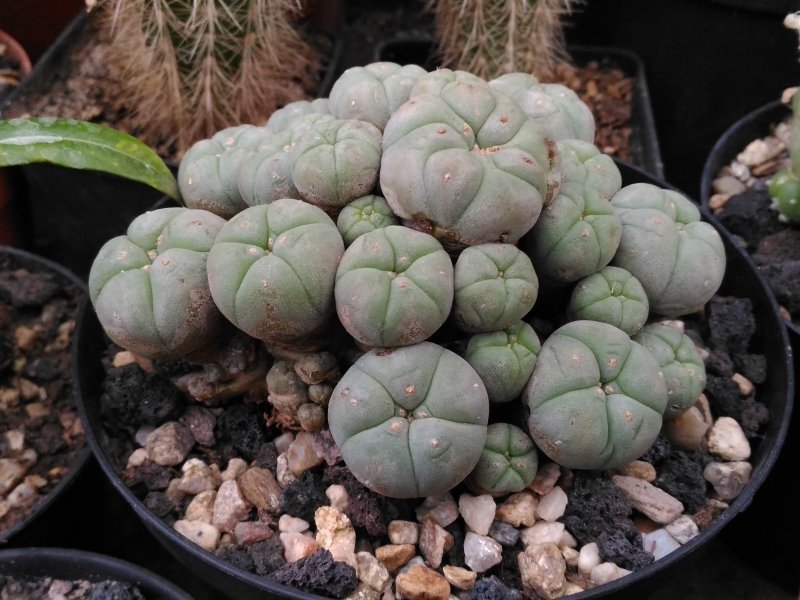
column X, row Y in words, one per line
column 75, row 565
column 754, row 125
column 644, row 148
column 777, row 393
column 17, row 258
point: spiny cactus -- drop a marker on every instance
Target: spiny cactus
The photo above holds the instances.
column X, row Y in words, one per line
column 193, row 67
column 492, row 37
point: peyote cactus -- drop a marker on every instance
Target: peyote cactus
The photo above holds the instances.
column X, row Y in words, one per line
column 284, row 118
column 596, row 398
column 678, row 259
column 680, row 362
column 578, row 233
column 410, row 421
column 150, row 289
column 507, row 464
column 466, row 165
column 394, row 287
column 363, row 215
column 495, row 286
column 271, row 271
column 613, row 296
column 504, row 359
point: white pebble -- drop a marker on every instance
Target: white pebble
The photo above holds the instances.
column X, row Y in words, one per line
column 683, row 529
column 477, row 512
column 552, row 505
column 403, row 532
column 442, row 509
column 606, row 572
column 659, row 543
column 727, row 440
column 138, row 457
column 570, row 555
column 283, row 441
column 204, row 535
column 542, row 532
column 236, row 467
column 589, row 558
column 337, row 496
column 481, row 552
column 728, row 478
column 288, row 523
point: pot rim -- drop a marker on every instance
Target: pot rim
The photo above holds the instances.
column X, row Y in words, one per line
column 91, row 566
column 18, row 52
column 82, row 457
column 760, row 470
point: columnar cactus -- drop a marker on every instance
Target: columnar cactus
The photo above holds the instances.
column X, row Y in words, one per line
column 678, row 259
column 394, row 287
column 410, row 421
column 271, row 271
column 613, row 296
column 466, row 165
column 150, row 289
column 596, row 398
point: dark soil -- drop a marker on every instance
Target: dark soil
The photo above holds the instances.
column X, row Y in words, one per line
column 42, row 434
column 597, row 511
column 48, row 588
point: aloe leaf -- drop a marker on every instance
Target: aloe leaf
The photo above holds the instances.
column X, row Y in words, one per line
column 83, row 145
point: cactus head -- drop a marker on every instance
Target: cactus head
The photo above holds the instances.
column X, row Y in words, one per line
column 507, row 464
column 613, row 296
column 363, row 215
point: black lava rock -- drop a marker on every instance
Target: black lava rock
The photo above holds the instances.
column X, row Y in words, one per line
column 267, row 457
column 492, row 588
column 159, row 504
column 720, row 363
column 267, row 556
column 681, row 476
column 365, row 508
column 784, row 279
column 726, row 400
column 115, row 590
column 303, row 496
column 749, row 216
column 238, row 557
column 243, row 427
column 593, row 494
column 133, row 397
column 731, row 323
column 752, row 366
column 623, row 549
column 318, row 574
column 658, row 451
column 455, row 556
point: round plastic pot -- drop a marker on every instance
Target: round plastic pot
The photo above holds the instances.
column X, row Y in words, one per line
column 777, row 393
column 18, row 258
column 754, row 125
column 75, row 565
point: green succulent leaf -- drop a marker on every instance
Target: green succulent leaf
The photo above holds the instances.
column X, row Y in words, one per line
column 83, row 145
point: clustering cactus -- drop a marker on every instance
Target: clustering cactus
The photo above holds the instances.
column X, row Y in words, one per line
column 192, row 67
column 397, row 247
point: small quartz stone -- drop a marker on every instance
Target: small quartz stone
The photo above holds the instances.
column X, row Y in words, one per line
column 248, row 533
column 283, row 473
column 542, row 532
column 651, row 501
column 337, row 496
column 204, row 535
column 236, row 467
column 570, row 555
column 363, row 592
column 519, row 510
column 481, row 552
column 459, row 577
column 728, row 478
column 683, row 529
column 588, row 558
column 200, row 422
column 169, row 444
column 261, row 489
column 727, row 440
column 546, row 478
column 201, row 507
column 422, row 583
column 372, row 572
column 283, row 441
column 140, row 437
column 659, row 543
column 640, row 470
column 442, row 509
column 297, row 546
column 288, row 523
column 434, row 541
column 606, row 572
column 567, row 540
column 403, row 532
column 394, row 556
column 686, row 431
column 727, row 184
column 22, row 496
column 477, row 512
column 543, row 570
column 301, row 454
column 11, row 473
column 196, row 477
column 505, row 534
column 336, row 534
column 138, row 457
column 230, row 507
column 552, row 505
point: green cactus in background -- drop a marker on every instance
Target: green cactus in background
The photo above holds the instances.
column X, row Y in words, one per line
column 193, row 67
column 493, row 37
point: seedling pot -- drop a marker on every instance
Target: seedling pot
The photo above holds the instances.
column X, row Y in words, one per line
column 73, row 565
column 741, row 280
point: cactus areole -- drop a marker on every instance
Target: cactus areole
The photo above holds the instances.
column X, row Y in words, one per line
column 410, row 421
